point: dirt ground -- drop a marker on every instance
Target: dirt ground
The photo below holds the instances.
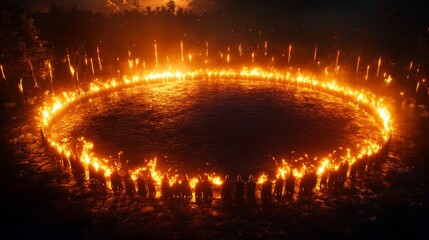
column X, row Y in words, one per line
column 41, row 201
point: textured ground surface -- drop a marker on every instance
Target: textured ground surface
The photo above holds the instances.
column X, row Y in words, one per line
column 43, row 201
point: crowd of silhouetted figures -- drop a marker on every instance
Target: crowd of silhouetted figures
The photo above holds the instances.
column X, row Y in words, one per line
column 237, row 191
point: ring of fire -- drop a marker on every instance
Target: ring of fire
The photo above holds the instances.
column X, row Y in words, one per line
column 85, row 156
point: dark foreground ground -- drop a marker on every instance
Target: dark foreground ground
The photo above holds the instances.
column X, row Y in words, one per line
column 40, row 201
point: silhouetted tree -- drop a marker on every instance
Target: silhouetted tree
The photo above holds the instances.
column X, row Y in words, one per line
column 171, row 6
column 23, row 54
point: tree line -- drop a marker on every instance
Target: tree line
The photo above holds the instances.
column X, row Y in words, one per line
column 31, row 41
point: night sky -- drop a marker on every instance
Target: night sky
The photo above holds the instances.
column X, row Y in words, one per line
column 109, row 6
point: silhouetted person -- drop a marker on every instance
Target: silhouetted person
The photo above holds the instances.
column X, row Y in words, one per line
column 64, row 160
column 226, row 191
column 42, row 134
column 79, row 169
column 308, row 182
column 151, row 187
column 333, row 178
column 199, row 190
column 251, row 190
column 101, row 178
column 116, row 182
column 185, row 188
column 141, row 186
column 312, row 181
column 176, row 190
column 353, row 169
column 207, row 188
column 72, row 160
column 323, row 180
column 239, row 190
column 342, row 173
column 290, row 185
column 266, row 191
column 92, row 173
column 304, row 184
column 166, row 190
column 278, row 188
column 129, row 185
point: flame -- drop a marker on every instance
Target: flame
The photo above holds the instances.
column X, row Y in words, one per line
column 388, row 80
column 20, row 87
column 263, row 178
column 325, row 164
column 57, row 103
column 215, row 180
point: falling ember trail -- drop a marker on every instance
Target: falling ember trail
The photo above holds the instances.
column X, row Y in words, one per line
column 68, row 61
column 207, row 49
column 3, row 75
column 36, row 85
column 290, row 53
column 86, row 61
column 156, row 55
column 357, row 65
column 181, row 52
column 378, row 66
column 266, row 48
column 315, row 54
column 51, row 78
column 367, row 72
column 336, row 60
column 99, row 59
column 92, row 66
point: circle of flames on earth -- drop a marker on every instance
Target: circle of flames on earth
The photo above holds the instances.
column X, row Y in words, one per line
column 54, row 105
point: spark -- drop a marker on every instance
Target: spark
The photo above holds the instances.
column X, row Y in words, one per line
column 367, row 72
column 156, row 54
column 315, row 54
column 3, row 75
column 92, row 66
column 36, row 85
column 266, row 48
column 51, row 79
column 357, row 65
column 181, row 52
column 20, row 86
column 99, row 59
column 378, row 66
